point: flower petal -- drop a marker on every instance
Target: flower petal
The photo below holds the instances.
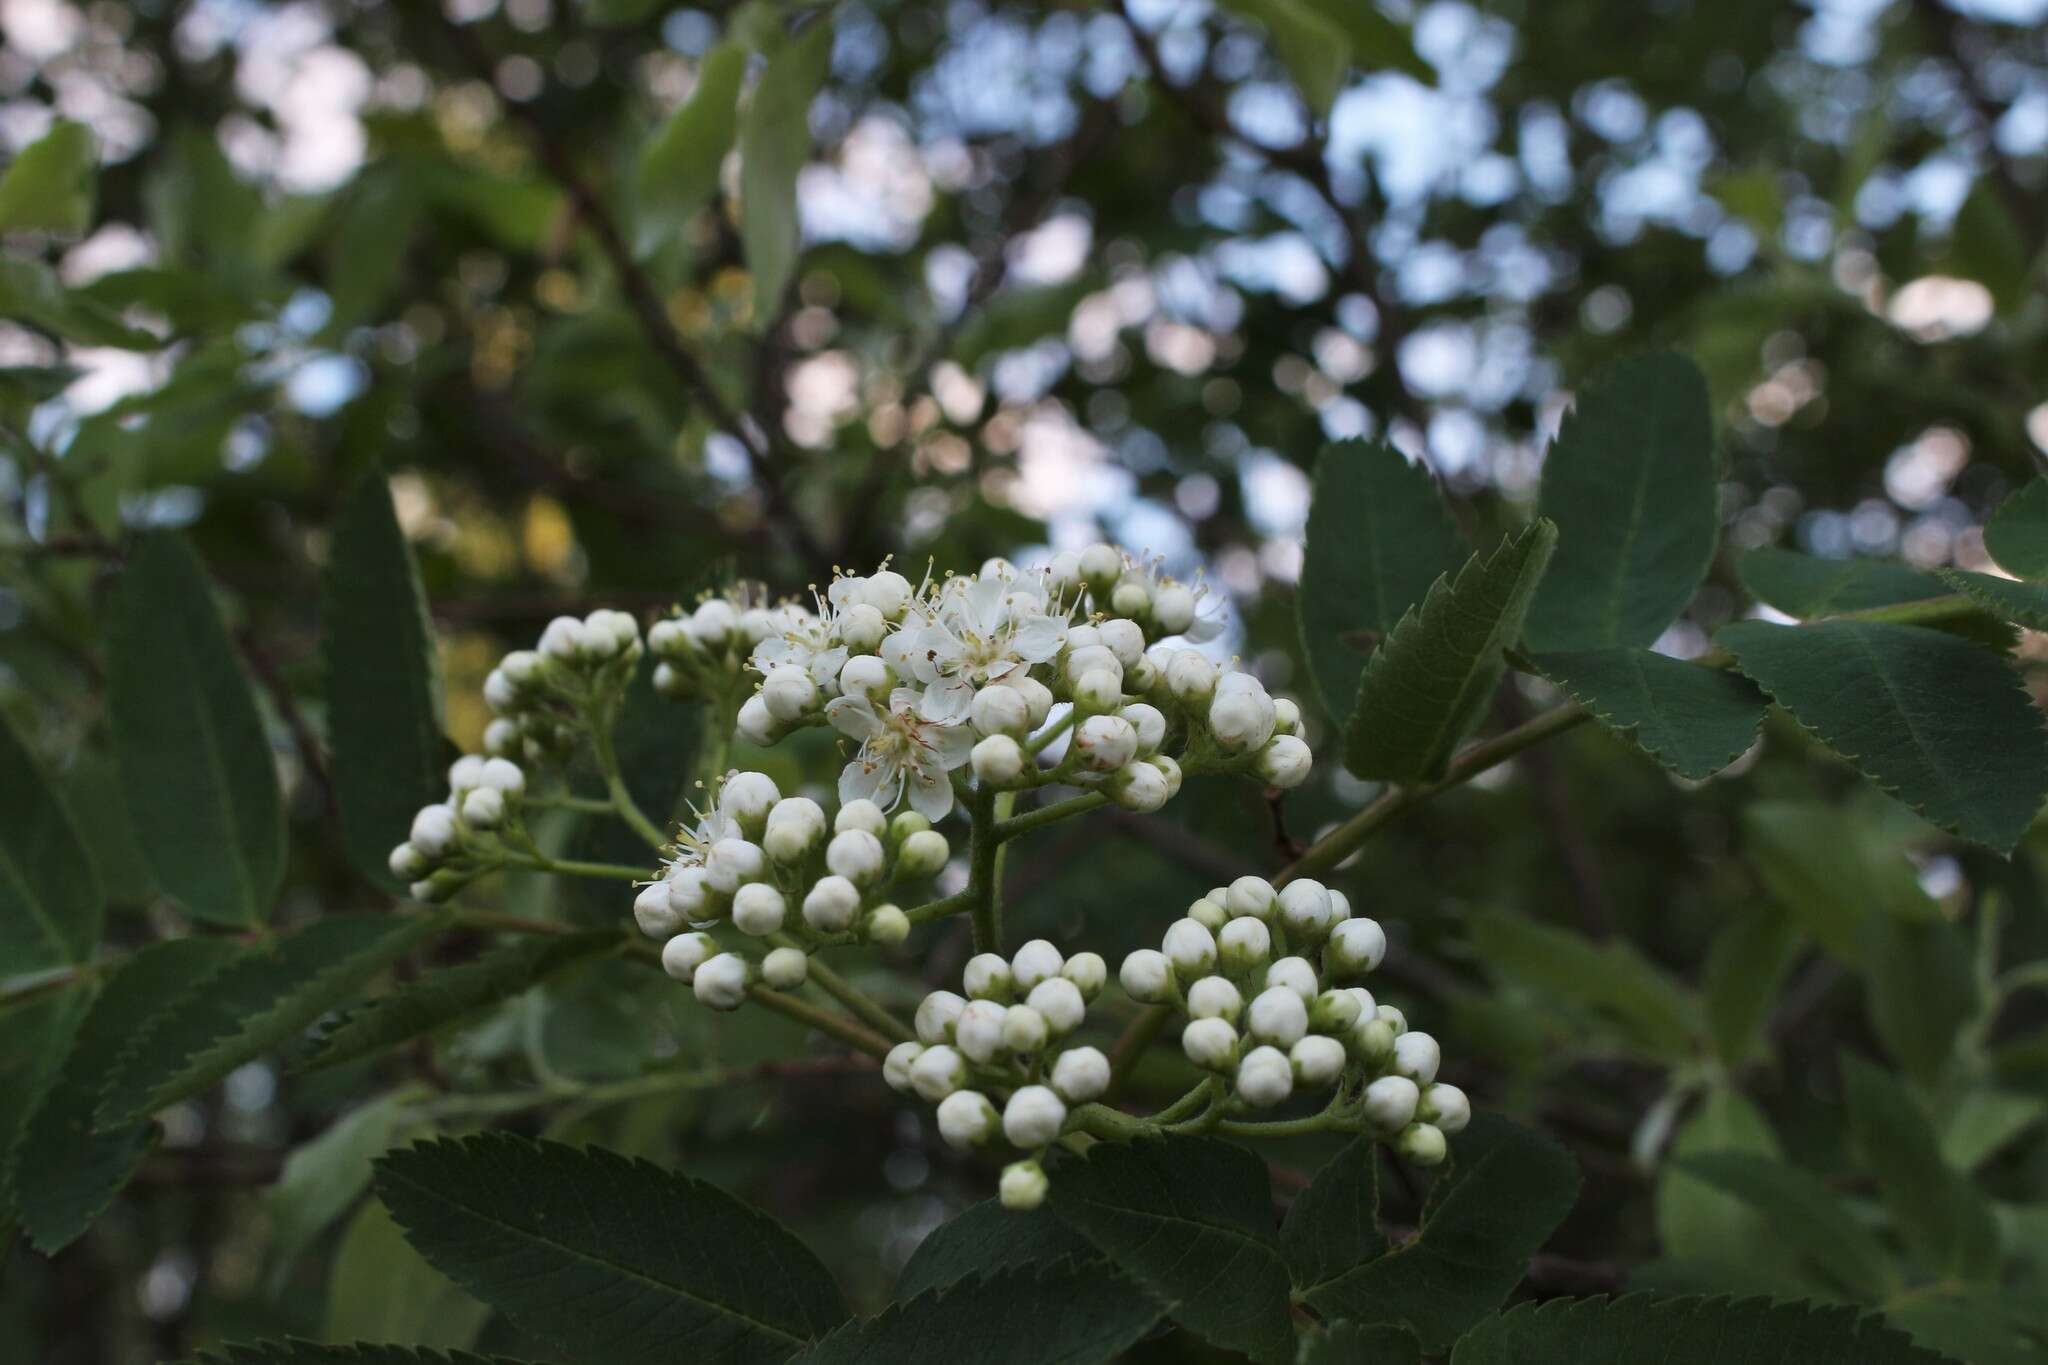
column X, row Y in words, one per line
column 854, row 717
column 931, row 795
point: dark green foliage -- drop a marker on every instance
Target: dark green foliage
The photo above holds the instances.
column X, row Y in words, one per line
column 2017, row 533
column 1685, row 1331
column 50, row 898
column 1693, row 720
column 988, row 1238
column 1946, row 1223
column 1807, row 585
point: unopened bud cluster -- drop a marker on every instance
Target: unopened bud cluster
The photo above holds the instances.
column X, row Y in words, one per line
column 455, row 840
column 1267, row 981
column 705, row 653
column 785, row 876
column 1005, row 1037
column 568, row 685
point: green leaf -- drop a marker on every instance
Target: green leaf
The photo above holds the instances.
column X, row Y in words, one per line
column 2017, row 533
column 1506, row 1189
column 380, row 1289
column 1315, row 50
column 35, row 1035
column 1377, row 42
column 200, row 778
column 360, row 1353
column 1332, row 1228
column 1920, row 987
column 447, row 995
column 1983, row 1326
column 1068, row 1313
column 30, row 292
column 51, row 905
column 255, row 1004
column 1656, row 1013
column 377, row 652
column 1809, row 586
column 79, row 1170
column 1693, row 720
column 1378, row 536
column 321, row 1178
column 1700, row 1224
column 2023, row 604
column 988, row 1238
column 1937, row 1211
column 1937, row 722
column 1745, row 965
column 50, row 184
column 1192, row 1220
column 1986, row 244
column 1630, row 483
column 367, row 246
column 677, row 173
column 1983, row 1121
column 608, row 1259
column 1829, row 868
column 1803, row 1215
column 1685, row 1331
column 1351, row 1343
column 1432, row 679
column 775, row 142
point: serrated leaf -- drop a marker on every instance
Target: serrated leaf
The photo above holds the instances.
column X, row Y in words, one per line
column 197, row 769
column 291, row 1352
column 1315, row 50
column 1802, row 1214
column 1939, row 1213
column 607, row 1259
column 987, row 1238
column 1631, row 484
column 775, row 142
column 1068, row 1313
column 2017, row 533
column 380, row 1289
column 255, row 1004
column 435, row 999
column 1937, row 722
column 2023, row 604
column 377, row 654
column 677, row 172
column 1809, row 585
column 1430, row 682
column 1505, row 1192
column 1192, row 1220
column 1685, row 1331
column 1351, row 1343
column 1644, row 1004
column 1332, row 1227
column 50, row 185
column 51, row 905
column 1693, row 720
column 1378, row 536
column 34, row 1037
column 78, row 1170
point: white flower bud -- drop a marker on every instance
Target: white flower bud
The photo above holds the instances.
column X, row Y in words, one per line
column 1305, row 910
column 855, row 855
column 499, row 693
column 731, row 864
column 1148, row 722
column 504, row 777
column 1171, row 768
column 682, row 955
column 1001, row 710
column 1285, row 762
column 1141, row 676
column 1190, row 948
column 713, row 623
column 521, row 668
column 887, row 592
column 987, row 977
column 1340, row 906
column 483, row 808
column 1146, row 977
column 1210, row 1044
column 1036, row 961
column 1265, row 1077
column 1277, row 1015
column 795, row 827
column 1241, row 714
column 1033, row 1117
column 922, row 855
column 864, row 675
column 1173, row 609
column 1296, row 975
column 434, row 831
column 1025, row 1030
column 862, row 815
column 936, row 1015
column 1080, row 1074
column 1286, row 716
column 721, row 981
column 1191, row 678
column 1082, row 659
column 896, row 1066
column 937, row 1073
column 788, row 692
column 408, row 864
column 1446, row 1106
column 465, row 773
column 1422, row 1144
column 997, row 761
column 978, row 1032
column 1335, row 1013
column 754, row 724
column 687, row 894
column 747, row 798
column 758, row 909
column 1356, row 947
column 665, row 637
column 1023, row 1186
column 669, row 682
column 1251, row 896
column 831, row 904
column 966, row 1120
column 502, row 738
column 1138, row 786
column 1099, row 689
column 562, row 639
column 1317, row 1059
column 1088, row 972
column 1100, row 566
column 785, row 968
column 1124, row 639
column 1393, row 1019
column 1037, row 699
column 885, row 924
column 1390, row 1103
column 1059, row 1000
column 428, row 890
column 862, row 626
column 1417, row 1056
column 1209, row 914
column 652, row 912
column 1214, row 997
column 1372, row 1042
column 1245, row 944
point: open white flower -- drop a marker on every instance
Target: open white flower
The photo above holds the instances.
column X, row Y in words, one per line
column 805, row 639
column 900, row 750
column 986, row 629
column 1187, row 610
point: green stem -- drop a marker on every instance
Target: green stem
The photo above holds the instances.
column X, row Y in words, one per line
column 824, row 1021
column 622, row 799
column 570, row 867
column 1045, row 815
column 940, row 908
column 1138, row 1037
column 1036, row 744
column 864, row 1007
column 984, row 895
column 590, row 805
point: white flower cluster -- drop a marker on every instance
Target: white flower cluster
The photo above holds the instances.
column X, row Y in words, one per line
column 544, row 697
column 1003, row 1037
column 1243, row 966
column 704, row 654
column 454, row 840
column 775, row 869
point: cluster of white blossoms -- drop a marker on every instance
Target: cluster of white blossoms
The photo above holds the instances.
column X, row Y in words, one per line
column 545, row 697
column 1264, row 978
column 454, row 840
column 789, row 880
column 704, row 654
column 1003, row 1038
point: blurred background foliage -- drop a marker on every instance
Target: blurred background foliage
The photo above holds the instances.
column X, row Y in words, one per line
column 995, row 278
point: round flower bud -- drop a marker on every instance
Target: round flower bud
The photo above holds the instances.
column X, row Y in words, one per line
column 503, row 776
column 1059, row 1000
column 1317, row 1059
column 1171, row 768
column 667, row 683
column 665, row 637
column 1390, row 1103
column 905, row 823
column 864, row 675
column 754, row 724
column 1142, row 676
column 465, row 773
column 502, row 738
column 1372, row 1041
column 1085, row 653
column 682, row 955
column 1190, row 948
column 1088, row 972
column 1296, row 975
column 785, row 968
column 652, row 912
column 1080, row 1074
column 1340, row 906
column 1277, row 1015
column 936, row 1015
column 748, row 799
column 1417, row 1056
column 1001, row 710
column 521, row 668
column 1251, row 896
column 434, row 831
column 687, row 894
column 1422, row 1144
column 1023, row 1186
column 721, row 981
column 966, row 1120
column 1036, row 961
column 408, row 864
column 562, row 638
column 887, row 592
column 978, row 1032
column 1305, row 910
column 1245, row 945
column 1210, row 1044
column 788, row 692
column 861, row 627
column 863, row 815
column 885, row 924
column 1173, row 609
column 731, row 864
column 1241, row 714
column 1130, row 598
column 1034, row 1116
column 1037, row 699
column 796, row 825
column 1209, row 914
column 896, row 1066
column 758, row 909
column 997, row 760
column 1024, row 1030
column 1148, row 722
column 1146, row 977
column 499, row 693
column 1334, row 1012
column 1213, row 997
column 831, row 904
column 855, row 855
column 1265, row 1077
column 1286, row 716
column 1098, row 690
column 1139, row 786
column 1191, row 678
column 1445, row 1106
column 1100, row 566
column 483, row 808
column 713, row 623
column 1285, row 762
column 1393, row 1019
column 1124, row 639
column 1356, row 946
column 922, row 854
column 987, row 977
column 937, row 1073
